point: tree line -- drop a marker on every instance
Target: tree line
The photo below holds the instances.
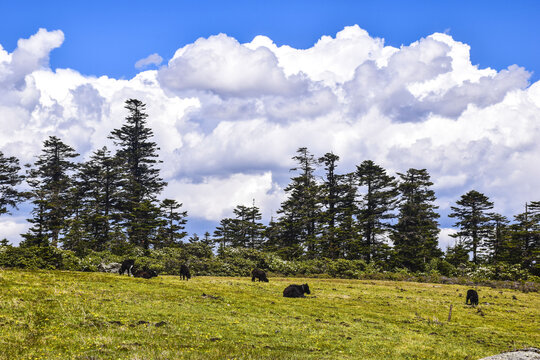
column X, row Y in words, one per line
column 373, row 216
column 110, row 202
column 106, row 203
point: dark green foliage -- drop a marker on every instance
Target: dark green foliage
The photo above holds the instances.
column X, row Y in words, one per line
column 244, row 230
column 375, row 210
column 300, row 212
column 224, row 235
column 348, row 238
column 474, row 222
column 51, row 181
column 142, row 182
column 496, row 244
column 144, row 223
column 336, row 224
column 457, row 254
column 346, row 269
column 441, row 266
column 173, row 221
column 248, row 227
column 330, row 193
column 207, row 239
column 9, row 179
column 97, row 192
column 37, row 257
column 415, row 235
column 523, row 246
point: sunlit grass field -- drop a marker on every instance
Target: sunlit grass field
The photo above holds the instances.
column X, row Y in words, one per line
column 74, row 315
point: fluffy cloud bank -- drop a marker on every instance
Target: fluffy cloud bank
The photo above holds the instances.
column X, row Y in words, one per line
column 229, row 116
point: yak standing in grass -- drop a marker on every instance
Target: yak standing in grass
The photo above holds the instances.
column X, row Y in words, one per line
column 258, row 274
column 127, row 265
column 184, row 272
column 296, row 291
column 472, row 296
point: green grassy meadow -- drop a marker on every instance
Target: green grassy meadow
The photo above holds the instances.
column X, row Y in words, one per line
column 75, row 315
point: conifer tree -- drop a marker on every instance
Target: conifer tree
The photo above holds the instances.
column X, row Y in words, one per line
column 457, row 254
column 171, row 231
column 244, row 230
column 375, row 210
column 301, row 210
column 142, row 181
column 250, row 225
column 524, row 245
column 194, row 239
column 207, row 239
column 474, row 222
column 225, row 233
column 97, row 193
column 496, row 243
column 348, row 237
column 9, row 179
column 50, row 180
column 330, row 193
column 415, row 235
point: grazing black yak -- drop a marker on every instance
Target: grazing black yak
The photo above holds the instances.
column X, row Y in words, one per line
column 472, row 296
column 184, row 272
column 144, row 273
column 259, row 274
column 127, row 265
column 295, row 291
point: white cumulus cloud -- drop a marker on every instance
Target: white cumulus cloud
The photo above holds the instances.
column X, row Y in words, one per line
column 153, row 59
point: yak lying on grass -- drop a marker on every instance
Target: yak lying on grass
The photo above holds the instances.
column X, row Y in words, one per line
column 295, row 291
column 184, row 272
column 258, row 274
column 144, row 273
column 472, row 296
column 127, row 265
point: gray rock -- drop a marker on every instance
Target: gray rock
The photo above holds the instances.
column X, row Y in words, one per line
column 523, row 354
column 109, row 268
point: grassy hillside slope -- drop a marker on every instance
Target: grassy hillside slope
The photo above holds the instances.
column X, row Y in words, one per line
column 73, row 315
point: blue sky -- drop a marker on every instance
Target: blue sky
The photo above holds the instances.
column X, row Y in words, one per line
column 454, row 89
column 108, row 37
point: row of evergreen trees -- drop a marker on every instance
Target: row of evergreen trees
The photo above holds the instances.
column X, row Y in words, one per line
column 111, row 202
column 368, row 214
column 108, row 202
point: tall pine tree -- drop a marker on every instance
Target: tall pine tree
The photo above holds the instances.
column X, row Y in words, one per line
column 50, row 180
column 348, row 237
column 415, row 235
column 378, row 200
column 473, row 220
column 330, row 194
column 173, row 224
column 300, row 212
column 142, row 181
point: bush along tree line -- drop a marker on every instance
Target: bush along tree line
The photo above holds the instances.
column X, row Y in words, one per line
column 107, row 208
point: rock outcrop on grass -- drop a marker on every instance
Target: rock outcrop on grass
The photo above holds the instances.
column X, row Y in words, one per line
column 523, row 354
column 109, row 268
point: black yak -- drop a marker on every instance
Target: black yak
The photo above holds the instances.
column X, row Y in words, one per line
column 295, row 291
column 472, row 296
column 184, row 272
column 127, row 265
column 144, row 273
column 259, row 274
